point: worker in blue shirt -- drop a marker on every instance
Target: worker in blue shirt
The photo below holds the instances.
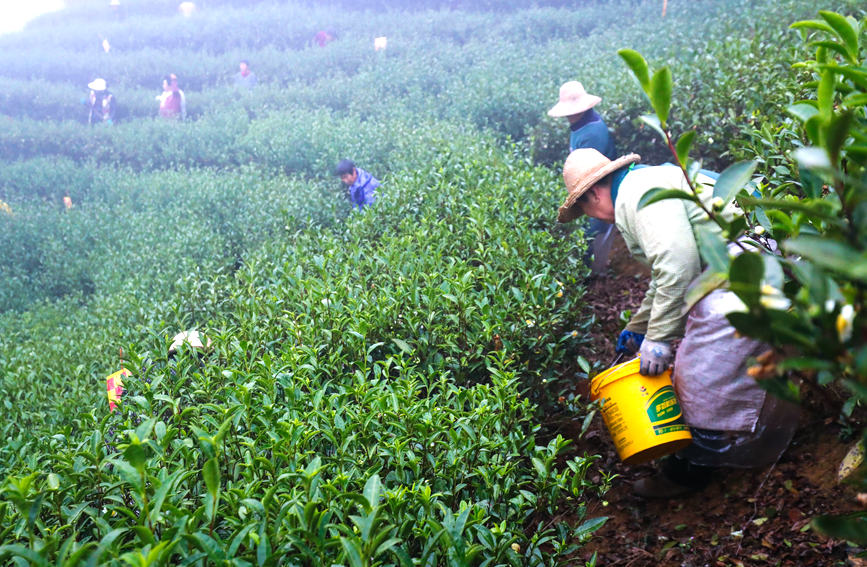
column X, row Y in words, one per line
column 588, row 130
column 360, row 185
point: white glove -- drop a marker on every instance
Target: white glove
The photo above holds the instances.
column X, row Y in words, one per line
column 656, row 357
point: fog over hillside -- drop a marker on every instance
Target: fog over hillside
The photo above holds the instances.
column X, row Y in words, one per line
column 15, row 15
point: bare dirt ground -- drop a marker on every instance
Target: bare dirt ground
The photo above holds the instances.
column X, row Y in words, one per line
column 746, row 517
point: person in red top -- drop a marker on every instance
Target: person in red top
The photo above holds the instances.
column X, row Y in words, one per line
column 324, row 37
column 173, row 104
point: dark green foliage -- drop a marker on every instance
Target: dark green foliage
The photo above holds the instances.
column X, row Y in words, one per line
column 373, row 392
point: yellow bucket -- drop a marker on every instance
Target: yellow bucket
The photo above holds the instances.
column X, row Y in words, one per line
column 641, row 413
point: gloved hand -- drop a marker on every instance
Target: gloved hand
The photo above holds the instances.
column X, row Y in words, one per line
column 656, row 356
column 629, row 342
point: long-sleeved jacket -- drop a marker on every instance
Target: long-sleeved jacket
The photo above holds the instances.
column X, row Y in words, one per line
column 591, row 132
column 662, row 236
column 710, row 371
column 247, row 81
column 101, row 104
column 363, row 191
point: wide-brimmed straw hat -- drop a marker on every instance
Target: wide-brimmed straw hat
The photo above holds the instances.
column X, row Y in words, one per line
column 583, row 169
column 573, row 100
column 97, row 85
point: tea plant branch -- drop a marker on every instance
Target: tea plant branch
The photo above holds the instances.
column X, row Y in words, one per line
column 658, row 90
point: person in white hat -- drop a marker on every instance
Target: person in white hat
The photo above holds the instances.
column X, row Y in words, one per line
column 100, row 102
column 734, row 422
column 588, row 130
column 117, row 10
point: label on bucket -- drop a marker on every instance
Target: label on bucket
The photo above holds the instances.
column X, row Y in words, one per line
column 664, row 412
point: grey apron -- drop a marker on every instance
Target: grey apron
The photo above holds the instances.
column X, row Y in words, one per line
column 735, row 422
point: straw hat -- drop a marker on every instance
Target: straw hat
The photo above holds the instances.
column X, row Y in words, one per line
column 583, row 169
column 97, row 85
column 573, row 100
column 191, row 338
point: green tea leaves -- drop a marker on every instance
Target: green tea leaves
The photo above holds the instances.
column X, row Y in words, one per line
column 732, row 180
column 660, row 194
column 660, row 94
column 636, row 63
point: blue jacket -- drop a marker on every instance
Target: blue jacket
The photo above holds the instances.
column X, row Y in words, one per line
column 591, row 132
column 362, row 192
column 247, row 82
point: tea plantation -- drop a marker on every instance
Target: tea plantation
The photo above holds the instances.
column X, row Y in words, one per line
column 379, row 379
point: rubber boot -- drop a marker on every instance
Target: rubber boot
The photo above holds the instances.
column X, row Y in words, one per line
column 677, row 477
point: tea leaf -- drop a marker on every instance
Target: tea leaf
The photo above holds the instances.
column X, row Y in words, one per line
column 732, row 180
column 638, row 66
column 588, row 527
column 684, row 144
column 713, row 249
column 660, row 94
column 845, row 30
column 211, row 473
column 661, row 194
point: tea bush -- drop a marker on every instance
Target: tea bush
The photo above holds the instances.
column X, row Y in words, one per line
column 356, row 370
column 484, row 82
column 377, row 379
column 52, row 253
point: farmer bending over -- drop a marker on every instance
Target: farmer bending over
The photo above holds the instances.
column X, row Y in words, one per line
column 360, row 185
column 734, row 422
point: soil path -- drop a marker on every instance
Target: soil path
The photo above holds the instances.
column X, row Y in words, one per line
column 745, row 517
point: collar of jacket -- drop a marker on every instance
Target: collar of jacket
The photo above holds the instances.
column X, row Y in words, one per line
column 589, row 116
column 617, row 179
column 363, row 178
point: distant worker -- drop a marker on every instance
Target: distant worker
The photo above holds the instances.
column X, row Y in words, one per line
column 245, row 78
column 588, row 130
column 116, row 9
column 324, row 37
column 100, row 102
column 187, row 8
column 360, row 185
column 173, row 104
